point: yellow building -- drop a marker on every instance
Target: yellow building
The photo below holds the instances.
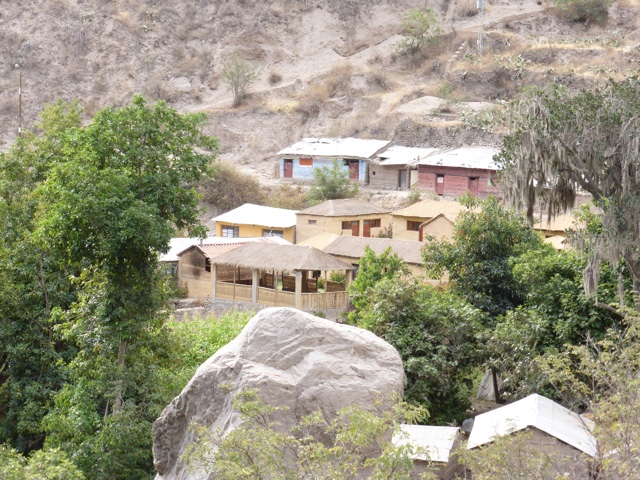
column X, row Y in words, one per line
column 251, row 220
column 409, row 223
column 349, row 216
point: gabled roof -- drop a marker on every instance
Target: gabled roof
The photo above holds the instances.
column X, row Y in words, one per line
column 539, row 412
column 215, row 246
column 250, row 214
column 319, row 241
column 264, row 256
column 446, row 216
column 558, row 223
column 346, row 207
column 436, row 441
column 335, row 147
column 398, row 155
column 353, row 247
column 429, row 208
column 467, row 157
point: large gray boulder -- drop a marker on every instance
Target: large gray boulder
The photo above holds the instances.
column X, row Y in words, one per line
column 295, row 360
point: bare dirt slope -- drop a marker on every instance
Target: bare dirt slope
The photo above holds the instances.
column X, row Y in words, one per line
column 328, row 67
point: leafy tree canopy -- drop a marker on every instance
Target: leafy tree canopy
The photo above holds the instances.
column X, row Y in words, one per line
column 331, row 183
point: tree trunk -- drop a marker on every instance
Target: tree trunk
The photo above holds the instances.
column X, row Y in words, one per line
column 117, row 394
column 496, row 391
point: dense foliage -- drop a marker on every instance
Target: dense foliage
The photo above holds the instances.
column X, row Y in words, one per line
column 331, row 183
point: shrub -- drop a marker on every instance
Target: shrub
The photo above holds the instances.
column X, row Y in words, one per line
column 330, row 183
column 239, row 76
column 229, row 188
column 584, row 11
column 420, row 28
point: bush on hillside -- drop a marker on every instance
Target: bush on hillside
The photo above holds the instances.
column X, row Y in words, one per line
column 228, row 188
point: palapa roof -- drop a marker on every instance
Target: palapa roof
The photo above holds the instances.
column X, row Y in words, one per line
column 335, row 147
column 263, row 256
column 466, row 157
column 250, row 214
column 398, row 155
column 353, row 247
column 429, row 209
column 346, row 207
column 436, row 441
column 539, row 412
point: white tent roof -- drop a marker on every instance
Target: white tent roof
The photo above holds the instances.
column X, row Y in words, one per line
column 250, row 214
column 467, row 157
column 398, row 155
column 437, row 441
column 335, row 147
column 539, row 412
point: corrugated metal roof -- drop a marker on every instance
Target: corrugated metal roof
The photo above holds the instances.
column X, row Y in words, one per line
column 437, row 441
column 250, row 214
column 398, row 155
column 335, row 147
column 429, row 208
column 214, row 246
column 539, row 412
column 467, row 157
column 353, row 247
column 345, row 207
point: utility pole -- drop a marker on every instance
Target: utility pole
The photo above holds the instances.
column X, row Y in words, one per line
column 480, row 4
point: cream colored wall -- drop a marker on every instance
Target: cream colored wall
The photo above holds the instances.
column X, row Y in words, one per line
column 440, row 228
column 305, row 231
column 254, row 230
column 197, row 281
column 400, row 231
column 416, row 270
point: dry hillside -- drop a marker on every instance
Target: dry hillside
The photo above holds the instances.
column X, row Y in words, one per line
column 328, row 67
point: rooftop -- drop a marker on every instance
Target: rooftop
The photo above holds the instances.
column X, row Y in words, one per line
column 214, row 246
column 436, row 441
column 539, row 412
column 353, row 247
column 250, row 214
column 467, row 157
column 398, row 155
column 335, row 147
column 429, row 208
column 347, row 207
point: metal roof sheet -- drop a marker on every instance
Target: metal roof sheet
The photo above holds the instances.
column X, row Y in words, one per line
column 177, row 245
column 336, row 147
column 467, row 157
column 250, row 214
column 398, row 155
column 437, row 441
column 539, row 412
column 214, row 246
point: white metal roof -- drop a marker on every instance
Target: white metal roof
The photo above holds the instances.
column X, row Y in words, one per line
column 250, row 214
column 398, row 155
column 177, row 245
column 539, row 412
column 436, row 441
column 335, row 147
column 467, row 157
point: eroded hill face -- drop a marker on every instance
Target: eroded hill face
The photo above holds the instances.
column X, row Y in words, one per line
column 327, row 67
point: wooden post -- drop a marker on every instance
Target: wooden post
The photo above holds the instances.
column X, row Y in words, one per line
column 234, row 283
column 275, row 285
column 326, row 285
column 214, row 274
column 254, row 287
column 299, row 289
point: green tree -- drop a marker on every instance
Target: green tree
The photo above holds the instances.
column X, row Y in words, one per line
column 420, row 28
column 266, row 446
column 436, row 334
column 564, row 143
column 239, row 76
column 486, row 237
column 372, row 269
column 330, row 183
column 41, row 465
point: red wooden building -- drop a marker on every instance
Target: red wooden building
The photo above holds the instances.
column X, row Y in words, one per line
column 455, row 172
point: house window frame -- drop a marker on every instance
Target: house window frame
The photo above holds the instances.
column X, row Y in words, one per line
column 413, row 226
column 374, row 223
column 233, row 229
column 207, row 264
column 306, row 162
column 346, row 225
column 313, row 222
column 270, row 232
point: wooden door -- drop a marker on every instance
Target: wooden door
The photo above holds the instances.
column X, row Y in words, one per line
column 354, row 170
column 473, row 186
column 288, row 168
column 440, row 184
column 366, row 228
column 355, row 228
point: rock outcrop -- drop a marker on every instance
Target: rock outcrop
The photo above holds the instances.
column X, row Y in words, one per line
column 294, row 359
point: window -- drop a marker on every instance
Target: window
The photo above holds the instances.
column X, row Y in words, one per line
column 413, row 226
column 306, row 162
column 312, row 222
column 207, row 264
column 273, row 233
column 230, row 232
column 439, row 178
column 375, row 223
column 346, row 225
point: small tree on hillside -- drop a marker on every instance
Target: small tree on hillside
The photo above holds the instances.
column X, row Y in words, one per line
column 331, row 183
column 239, row 76
column 420, row 28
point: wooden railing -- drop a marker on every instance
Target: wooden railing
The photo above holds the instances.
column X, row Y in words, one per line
column 270, row 297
